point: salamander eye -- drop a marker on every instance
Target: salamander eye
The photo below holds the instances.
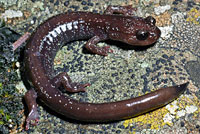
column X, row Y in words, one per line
column 142, row 35
column 151, row 20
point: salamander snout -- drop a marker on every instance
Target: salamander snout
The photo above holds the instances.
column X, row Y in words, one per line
column 149, row 33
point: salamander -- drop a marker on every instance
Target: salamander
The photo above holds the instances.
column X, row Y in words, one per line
column 117, row 23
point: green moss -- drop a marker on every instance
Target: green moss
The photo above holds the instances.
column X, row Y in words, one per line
column 1, row 86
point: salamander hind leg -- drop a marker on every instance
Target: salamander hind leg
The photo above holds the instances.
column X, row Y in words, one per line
column 64, row 79
column 125, row 10
column 91, row 46
column 33, row 116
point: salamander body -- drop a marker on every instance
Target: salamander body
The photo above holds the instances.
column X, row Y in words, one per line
column 50, row 36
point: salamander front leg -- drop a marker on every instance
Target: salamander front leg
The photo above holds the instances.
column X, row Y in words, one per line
column 91, row 46
column 33, row 116
column 125, row 10
column 64, row 79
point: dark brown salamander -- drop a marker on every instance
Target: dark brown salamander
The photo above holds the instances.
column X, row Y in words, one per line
column 43, row 46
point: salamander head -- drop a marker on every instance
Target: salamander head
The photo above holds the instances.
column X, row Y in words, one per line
column 137, row 31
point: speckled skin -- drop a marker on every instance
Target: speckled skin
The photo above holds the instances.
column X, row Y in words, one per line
column 43, row 46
